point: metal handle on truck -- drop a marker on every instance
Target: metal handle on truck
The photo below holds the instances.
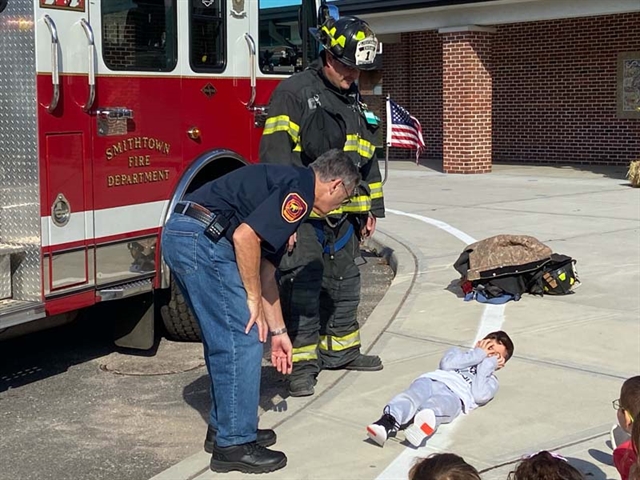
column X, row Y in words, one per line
column 55, row 64
column 92, row 59
column 251, row 43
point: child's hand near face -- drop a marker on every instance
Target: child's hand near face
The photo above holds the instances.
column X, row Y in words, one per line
column 485, row 345
column 501, row 361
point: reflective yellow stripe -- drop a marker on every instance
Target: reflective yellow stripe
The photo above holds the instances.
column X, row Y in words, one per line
column 356, row 144
column 337, row 344
column 365, row 148
column 376, row 190
column 297, row 148
column 359, row 204
column 337, row 211
column 341, row 40
column 282, row 123
column 301, row 354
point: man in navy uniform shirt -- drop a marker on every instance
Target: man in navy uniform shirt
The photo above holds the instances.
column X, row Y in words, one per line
column 223, row 244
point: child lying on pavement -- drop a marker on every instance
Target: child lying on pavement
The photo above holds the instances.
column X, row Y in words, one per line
column 464, row 381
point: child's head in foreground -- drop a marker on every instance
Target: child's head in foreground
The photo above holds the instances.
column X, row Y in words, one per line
column 543, row 466
column 443, row 466
column 628, row 405
column 497, row 344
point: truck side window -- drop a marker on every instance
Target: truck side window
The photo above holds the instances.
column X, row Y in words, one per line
column 279, row 39
column 207, row 51
column 140, row 35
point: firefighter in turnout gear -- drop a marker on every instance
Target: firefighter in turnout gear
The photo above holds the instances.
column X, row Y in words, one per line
column 312, row 112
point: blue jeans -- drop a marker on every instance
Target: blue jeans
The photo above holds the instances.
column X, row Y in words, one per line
column 208, row 277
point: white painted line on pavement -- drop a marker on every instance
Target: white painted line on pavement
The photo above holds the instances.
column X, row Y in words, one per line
column 492, row 319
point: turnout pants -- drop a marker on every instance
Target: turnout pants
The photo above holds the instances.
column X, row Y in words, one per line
column 320, row 293
column 425, row 393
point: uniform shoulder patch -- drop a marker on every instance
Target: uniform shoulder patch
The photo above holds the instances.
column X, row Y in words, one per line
column 293, row 208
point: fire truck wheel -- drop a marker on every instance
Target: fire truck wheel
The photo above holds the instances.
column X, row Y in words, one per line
column 180, row 323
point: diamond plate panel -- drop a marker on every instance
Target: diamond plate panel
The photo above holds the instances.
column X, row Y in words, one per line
column 19, row 197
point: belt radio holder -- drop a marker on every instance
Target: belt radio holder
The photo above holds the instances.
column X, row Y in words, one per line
column 217, row 227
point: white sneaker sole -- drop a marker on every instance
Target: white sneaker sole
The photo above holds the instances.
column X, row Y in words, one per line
column 377, row 433
column 423, row 426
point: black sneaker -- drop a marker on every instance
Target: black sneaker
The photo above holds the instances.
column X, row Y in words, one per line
column 383, row 429
column 246, row 458
column 266, row 438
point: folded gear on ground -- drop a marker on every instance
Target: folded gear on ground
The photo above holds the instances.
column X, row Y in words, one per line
column 503, row 267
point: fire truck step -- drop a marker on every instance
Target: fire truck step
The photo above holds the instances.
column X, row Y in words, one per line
column 6, row 282
column 125, row 290
column 14, row 312
column 7, row 249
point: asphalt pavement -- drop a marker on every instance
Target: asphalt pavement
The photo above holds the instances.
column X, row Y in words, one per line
column 572, row 352
column 74, row 407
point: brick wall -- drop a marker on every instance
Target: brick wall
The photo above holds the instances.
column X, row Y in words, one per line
column 466, row 99
column 554, row 89
column 396, row 67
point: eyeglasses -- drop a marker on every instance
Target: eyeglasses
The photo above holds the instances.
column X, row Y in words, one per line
column 347, row 200
column 617, row 406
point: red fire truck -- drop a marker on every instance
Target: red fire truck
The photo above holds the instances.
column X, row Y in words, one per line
column 110, row 111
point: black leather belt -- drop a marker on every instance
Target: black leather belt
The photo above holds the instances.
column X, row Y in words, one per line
column 194, row 210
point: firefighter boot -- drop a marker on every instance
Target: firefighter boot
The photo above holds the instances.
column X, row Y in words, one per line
column 246, row 458
column 302, row 385
column 266, row 438
column 363, row 363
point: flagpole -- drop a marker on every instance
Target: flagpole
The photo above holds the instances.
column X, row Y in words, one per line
column 386, row 156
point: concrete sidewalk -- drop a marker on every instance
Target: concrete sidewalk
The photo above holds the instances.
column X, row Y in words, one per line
column 572, row 352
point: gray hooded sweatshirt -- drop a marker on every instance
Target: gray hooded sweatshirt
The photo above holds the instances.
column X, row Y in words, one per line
column 469, row 375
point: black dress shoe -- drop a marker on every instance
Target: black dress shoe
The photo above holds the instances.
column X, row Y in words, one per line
column 246, row 458
column 266, row 438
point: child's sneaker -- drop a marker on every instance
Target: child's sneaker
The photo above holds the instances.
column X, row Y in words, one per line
column 423, row 426
column 382, row 429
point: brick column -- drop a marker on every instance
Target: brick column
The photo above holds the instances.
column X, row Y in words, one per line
column 466, row 95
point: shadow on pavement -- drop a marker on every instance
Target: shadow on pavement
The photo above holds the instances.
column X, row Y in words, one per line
column 600, row 456
column 273, row 393
column 39, row 355
column 588, row 469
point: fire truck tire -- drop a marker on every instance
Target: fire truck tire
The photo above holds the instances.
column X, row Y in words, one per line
column 178, row 319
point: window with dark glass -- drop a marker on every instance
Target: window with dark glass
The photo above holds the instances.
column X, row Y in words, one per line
column 279, row 38
column 139, row 35
column 208, row 49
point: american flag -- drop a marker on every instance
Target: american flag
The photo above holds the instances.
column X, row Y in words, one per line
column 403, row 129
